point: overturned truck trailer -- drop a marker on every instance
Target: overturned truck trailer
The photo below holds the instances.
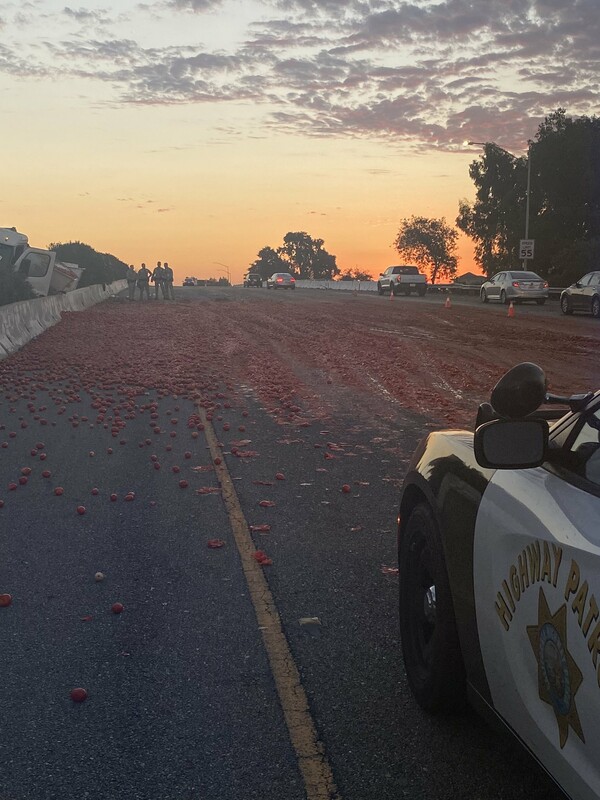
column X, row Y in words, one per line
column 43, row 271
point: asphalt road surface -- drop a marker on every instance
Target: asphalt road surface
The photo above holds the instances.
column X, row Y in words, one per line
column 191, row 695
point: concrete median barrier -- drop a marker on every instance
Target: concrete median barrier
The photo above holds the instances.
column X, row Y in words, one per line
column 22, row 322
column 340, row 286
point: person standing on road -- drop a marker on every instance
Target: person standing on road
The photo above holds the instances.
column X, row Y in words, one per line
column 143, row 278
column 168, row 290
column 131, row 278
column 157, row 279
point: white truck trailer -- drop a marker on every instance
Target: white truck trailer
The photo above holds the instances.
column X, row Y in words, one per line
column 43, row 271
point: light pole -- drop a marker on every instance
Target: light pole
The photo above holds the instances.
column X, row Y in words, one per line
column 528, row 191
column 227, row 268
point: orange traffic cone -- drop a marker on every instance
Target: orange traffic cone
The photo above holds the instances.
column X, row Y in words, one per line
column 391, row 292
column 511, row 310
column 448, row 303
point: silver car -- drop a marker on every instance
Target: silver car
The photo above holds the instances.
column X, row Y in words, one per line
column 516, row 286
column 281, row 280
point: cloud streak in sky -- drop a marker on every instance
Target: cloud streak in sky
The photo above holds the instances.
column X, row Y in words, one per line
column 430, row 74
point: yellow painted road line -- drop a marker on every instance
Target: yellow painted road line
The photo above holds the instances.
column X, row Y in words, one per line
column 315, row 769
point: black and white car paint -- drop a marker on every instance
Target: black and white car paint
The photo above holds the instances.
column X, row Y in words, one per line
column 500, row 589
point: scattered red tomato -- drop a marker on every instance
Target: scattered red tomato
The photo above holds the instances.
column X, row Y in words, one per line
column 81, row 510
column 78, row 695
column 58, row 491
column 117, row 608
column 5, row 600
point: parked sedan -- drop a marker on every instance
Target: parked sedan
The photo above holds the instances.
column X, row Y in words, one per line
column 281, row 280
column 516, row 286
column 583, row 296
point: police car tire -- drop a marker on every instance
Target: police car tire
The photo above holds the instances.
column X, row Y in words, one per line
column 438, row 681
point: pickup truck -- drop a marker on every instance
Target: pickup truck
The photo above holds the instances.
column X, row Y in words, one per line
column 402, row 280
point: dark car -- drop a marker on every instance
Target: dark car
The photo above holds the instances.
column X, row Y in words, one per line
column 499, row 568
column 281, row 280
column 583, row 296
column 253, row 279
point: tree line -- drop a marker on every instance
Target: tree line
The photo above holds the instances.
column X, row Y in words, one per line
column 564, row 201
column 563, row 166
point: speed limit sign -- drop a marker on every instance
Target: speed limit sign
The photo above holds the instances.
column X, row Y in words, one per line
column 526, row 248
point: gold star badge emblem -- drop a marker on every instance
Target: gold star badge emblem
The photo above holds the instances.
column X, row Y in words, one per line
column 559, row 677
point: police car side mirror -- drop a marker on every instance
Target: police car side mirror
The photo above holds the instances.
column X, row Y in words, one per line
column 520, row 392
column 511, row 444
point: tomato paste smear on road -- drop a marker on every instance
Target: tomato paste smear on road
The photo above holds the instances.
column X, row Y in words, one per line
column 318, row 405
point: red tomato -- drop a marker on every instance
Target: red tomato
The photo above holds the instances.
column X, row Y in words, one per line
column 78, row 695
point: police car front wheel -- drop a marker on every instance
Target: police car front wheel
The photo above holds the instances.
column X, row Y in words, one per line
column 430, row 645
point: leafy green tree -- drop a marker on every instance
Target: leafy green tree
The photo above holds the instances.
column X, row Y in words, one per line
column 268, row 262
column 13, row 287
column 564, row 214
column 574, row 261
column 496, row 221
column 565, row 176
column 306, row 257
column 98, row 267
column 429, row 242
column 355, row 275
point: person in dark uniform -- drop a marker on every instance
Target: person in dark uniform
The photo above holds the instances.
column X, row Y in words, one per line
column 131, row 278
column 168, row 290
column 143, row 278
column 157, row 279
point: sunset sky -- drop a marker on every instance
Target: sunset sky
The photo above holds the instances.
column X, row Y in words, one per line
column 199, row 131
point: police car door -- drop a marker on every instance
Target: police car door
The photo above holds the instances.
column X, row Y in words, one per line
column 537, row 597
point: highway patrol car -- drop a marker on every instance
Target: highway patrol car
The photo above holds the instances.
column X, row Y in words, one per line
column 499, row 560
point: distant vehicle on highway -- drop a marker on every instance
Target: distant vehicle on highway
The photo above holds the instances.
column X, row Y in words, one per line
column 190, row 281
column 253, row 279
column 402, row 280
column 515, row 286
column 584, row 295
column 281, row 280
column 499, row 567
